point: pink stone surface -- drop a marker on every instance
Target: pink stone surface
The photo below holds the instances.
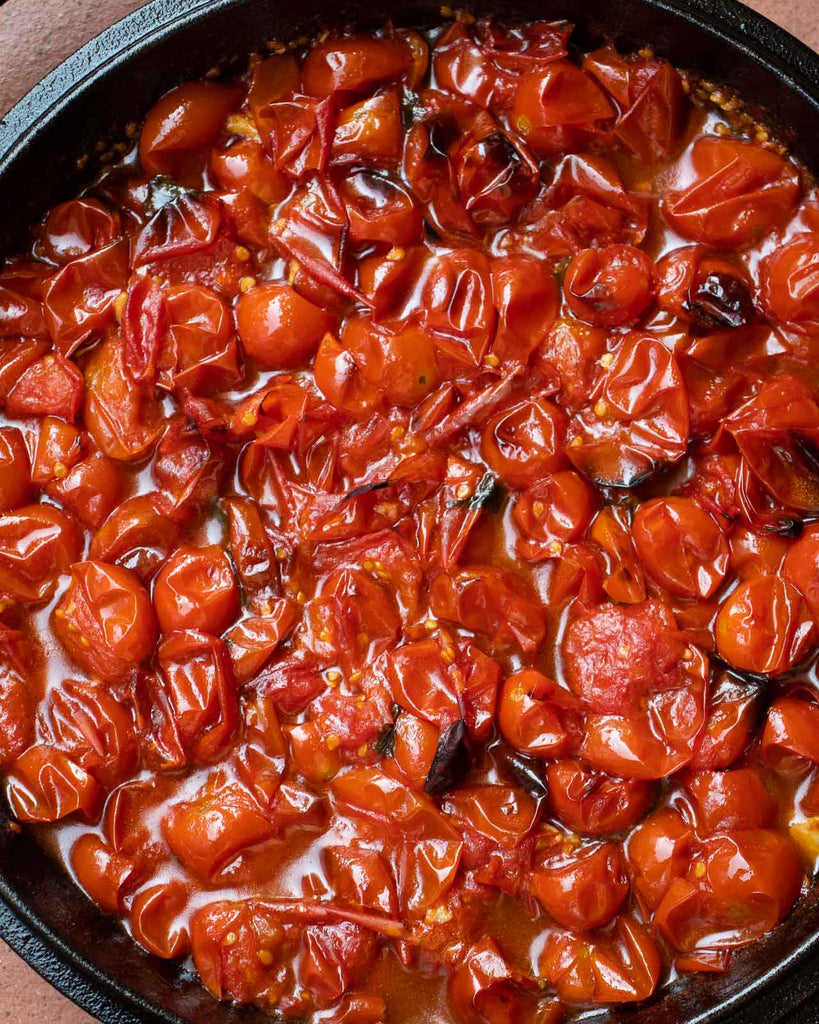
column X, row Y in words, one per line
column 35, row 35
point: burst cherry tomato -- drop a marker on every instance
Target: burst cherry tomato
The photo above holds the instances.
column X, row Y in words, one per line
column 609, row 287
column 196, row 589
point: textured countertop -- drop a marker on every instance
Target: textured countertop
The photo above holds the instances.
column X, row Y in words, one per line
column 35, row 35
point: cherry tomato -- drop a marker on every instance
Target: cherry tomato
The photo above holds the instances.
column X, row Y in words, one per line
column 789, row 738
column 708, row 290
column 105, row 620
column 739, row 192
column 582, row 888
column 609, row 287
column 196, row 589
column 380, row 210
column 559, row 108
column 402, row 366
column 801, row 568
column 524, row 442
column 681, row 546
column 38, row 544
column 243, row 163
column 730, row 800
column 44, row 784
column 749, row 883
column 764, row 626
column 733, row 709
column 491, row 601
column 106, row 876
column 180, row 126
column 78, row 227
column 369, row 131
column 595, row 804
column 483, row 987
column 555, row 511
column 616, row 654
column 620, row 965
column 15, row 487
column 526, row 297
column 137, row 535
column 659, row 850
column 790, row 284
column 278, row 328
column 534, row 714
column 354, row 65
column 96, row 730
column 156, row 919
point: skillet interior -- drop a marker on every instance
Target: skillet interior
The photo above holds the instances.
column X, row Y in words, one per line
column 112, row 81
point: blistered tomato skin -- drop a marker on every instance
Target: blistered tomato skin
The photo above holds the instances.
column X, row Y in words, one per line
column 409, row 575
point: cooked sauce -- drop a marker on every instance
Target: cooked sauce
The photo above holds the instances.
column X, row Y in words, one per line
column 409, row 476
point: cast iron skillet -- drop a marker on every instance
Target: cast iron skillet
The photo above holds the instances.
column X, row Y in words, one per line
column 91, row 97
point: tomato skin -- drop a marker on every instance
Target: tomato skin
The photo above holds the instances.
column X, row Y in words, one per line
column 681, row 546
column 44, row 784
column 416, row 741
column 183, row 122
column 740, row 191
column 196, row 589
column 38, row 543
column 15, row 486
column 104, row 874
column 380, row 210
column 595, row 804
column 559, row 108
column 764, row 626
column 659, row 850
column 105, row 620
column 278, row 328
column 609, row 287
column 483, row 987
column 582, row 888
column 524, row 442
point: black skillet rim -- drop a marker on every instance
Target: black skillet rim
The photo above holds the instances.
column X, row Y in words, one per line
column 795, row 65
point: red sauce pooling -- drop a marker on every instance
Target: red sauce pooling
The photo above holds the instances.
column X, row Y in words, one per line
column 407, row 547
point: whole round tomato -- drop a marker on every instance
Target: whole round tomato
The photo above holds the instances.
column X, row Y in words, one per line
column 105, row 620
column 609, row 287
column 278, row 328
column 196, row 589
column 789, row 284
column 681, row 546
column 581, row 888
column 764, row 626
column 179, row 127
column 659, row 850
column 556, row 510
